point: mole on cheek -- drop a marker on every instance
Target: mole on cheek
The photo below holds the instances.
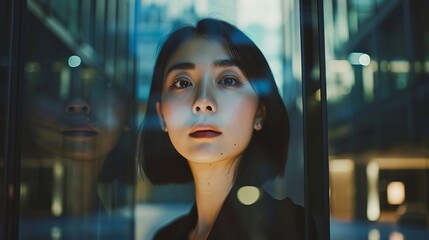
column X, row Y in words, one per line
column 235, row 144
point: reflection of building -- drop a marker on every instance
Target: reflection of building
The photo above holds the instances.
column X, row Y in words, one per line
column 149, row 32
column 78, row 60
column 152, row 26
column 378, row 93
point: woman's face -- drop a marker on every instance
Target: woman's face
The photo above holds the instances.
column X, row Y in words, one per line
column 74, row 115
column 208, row 106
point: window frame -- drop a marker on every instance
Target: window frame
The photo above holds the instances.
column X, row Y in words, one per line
column 316, row 164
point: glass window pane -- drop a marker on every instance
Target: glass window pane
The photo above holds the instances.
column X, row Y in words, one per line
column 77, row 167
column 87, row 74
column 377, row 105
column 277, row 36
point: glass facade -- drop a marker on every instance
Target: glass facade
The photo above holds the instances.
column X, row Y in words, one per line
column 376, row 58
column 276, row 36
column 77, row 106
column 74, row 87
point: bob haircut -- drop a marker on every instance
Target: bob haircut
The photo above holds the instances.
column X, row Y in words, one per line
column 265, row 156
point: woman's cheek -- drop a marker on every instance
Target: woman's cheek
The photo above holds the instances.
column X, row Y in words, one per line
column 175, row 115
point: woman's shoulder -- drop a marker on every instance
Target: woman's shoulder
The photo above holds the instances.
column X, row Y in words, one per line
column 283, row 207
column 178, row 228
column 171, row 230
column 283, row 219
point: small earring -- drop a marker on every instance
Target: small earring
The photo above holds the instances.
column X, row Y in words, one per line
column 258, row 126
column 163, row 126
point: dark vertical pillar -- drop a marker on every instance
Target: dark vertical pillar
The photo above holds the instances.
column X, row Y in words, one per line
column 361, row 190
column 314, row 116
column 13, row 12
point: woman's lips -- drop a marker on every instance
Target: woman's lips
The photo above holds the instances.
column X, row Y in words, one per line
column 204, row 131
column 205, row 134
column 80, row 132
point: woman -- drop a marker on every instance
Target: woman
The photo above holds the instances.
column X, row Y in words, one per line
column 215, row 117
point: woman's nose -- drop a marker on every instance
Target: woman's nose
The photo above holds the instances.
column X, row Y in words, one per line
column 77, row 106
column 204, row 107
column 204, row 102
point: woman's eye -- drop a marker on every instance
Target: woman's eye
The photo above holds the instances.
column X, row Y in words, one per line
column 229, row 82
column 181, row 83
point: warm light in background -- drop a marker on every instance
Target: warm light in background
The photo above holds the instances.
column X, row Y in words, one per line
column 368, row 81
column 396, row 236
column 342, row 190
column 374, row 234
column 395, row 193
column 341, row 165
column 55, row 233
column 248, row 195
column 373, row 207
column 402, row 163
column 57, row 196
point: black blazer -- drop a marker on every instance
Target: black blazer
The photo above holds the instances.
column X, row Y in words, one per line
column 267, row 218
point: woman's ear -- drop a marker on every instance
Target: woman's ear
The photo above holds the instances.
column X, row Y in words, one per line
column 161, row 118
column 260, row 117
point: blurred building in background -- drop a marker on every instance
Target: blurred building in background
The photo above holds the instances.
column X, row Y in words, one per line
column 377, row 56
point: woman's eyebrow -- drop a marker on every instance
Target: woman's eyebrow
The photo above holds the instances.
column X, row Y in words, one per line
column 225, row 63
column 189, row 65
column 180, row 66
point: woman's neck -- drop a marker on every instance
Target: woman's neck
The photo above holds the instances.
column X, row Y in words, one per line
column 81, row 186
column 213, row 181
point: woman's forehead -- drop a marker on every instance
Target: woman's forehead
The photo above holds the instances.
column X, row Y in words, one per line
column 199, row 50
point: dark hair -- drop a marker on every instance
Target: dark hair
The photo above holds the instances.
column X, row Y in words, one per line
column 264, row 158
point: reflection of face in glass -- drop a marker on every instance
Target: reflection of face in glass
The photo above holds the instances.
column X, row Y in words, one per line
column 72, row 112
column 209, row 107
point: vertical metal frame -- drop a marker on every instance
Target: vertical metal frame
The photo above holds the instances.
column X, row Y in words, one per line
column 314, row 116
column 16, row 16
